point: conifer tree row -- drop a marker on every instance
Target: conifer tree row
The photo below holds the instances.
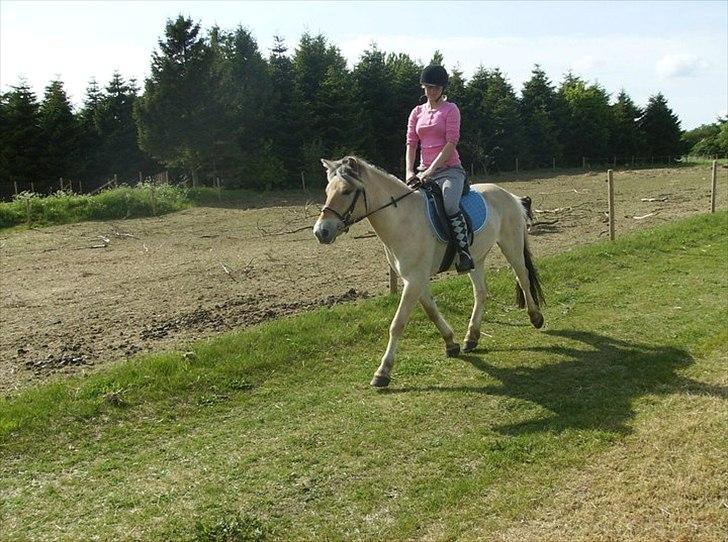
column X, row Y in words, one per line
column 216, row 106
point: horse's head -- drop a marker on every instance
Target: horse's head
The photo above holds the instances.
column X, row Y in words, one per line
column 345, row 197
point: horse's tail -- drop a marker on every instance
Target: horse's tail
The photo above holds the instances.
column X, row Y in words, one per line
column 533, row 278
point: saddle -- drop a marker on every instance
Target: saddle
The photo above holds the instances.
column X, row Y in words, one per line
column 473, row 207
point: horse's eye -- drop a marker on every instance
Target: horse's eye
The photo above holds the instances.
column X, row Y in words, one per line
column 347, row 192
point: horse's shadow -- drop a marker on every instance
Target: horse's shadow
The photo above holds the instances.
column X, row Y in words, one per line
column 594, row 387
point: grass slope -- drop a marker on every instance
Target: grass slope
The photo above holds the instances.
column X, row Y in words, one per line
column 273, row 432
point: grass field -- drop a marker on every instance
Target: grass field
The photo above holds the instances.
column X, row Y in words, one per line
column 607, row 425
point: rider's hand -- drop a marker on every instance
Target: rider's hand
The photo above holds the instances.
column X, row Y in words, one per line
column 413, row 181
column 424, row 174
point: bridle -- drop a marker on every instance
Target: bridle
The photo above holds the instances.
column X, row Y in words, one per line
column 346, row 216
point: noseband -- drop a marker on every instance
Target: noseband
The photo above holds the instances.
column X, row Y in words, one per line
column 346, row 217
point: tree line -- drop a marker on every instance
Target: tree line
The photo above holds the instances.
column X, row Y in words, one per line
column 215, row 106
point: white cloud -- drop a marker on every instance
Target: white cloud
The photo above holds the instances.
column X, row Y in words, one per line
column 680, row 65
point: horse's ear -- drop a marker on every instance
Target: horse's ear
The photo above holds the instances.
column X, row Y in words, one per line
column 328, row 164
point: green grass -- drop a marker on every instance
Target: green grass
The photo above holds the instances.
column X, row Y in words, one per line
column 274, row 433
column 141, row 200
column 67, row 208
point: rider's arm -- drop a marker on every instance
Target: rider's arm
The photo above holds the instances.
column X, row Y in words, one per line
column 412, row 141
column 409, row 159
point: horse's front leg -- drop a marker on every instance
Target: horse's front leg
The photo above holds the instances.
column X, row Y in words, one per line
column 410, row 294
column 477, row 277
column 428, row 303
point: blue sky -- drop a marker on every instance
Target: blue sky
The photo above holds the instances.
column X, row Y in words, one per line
column 677, row 48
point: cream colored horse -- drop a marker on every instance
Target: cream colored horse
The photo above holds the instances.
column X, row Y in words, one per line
column 356, row 189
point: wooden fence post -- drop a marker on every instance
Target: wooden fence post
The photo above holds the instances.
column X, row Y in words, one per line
column 583, row 162
column 713, row 184
column 219, row 189
column 516, row 166
column 303, row 181
column 61, row 183
column 614, row 162
column 116, row 184
column 15, row 185
column 27, row 209
column 32, row 187
column 610, row 193
column 553, row 163
column 152, row 187
column 392, row 281
column 472, row 170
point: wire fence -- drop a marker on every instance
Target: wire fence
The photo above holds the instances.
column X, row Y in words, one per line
column 9, row 190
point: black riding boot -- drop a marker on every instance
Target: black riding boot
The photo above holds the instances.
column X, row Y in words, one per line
column 459, row 232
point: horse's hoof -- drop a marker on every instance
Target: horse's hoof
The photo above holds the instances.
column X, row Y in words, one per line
column 469, row 346
column 380, row 381
column 537, row 320
column 453, row 351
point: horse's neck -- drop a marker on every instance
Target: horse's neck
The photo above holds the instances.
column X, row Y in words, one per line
column 388, row 223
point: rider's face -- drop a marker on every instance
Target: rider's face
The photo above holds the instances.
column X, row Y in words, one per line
column 433, row 92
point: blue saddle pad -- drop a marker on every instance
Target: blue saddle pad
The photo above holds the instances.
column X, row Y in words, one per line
column 472, row 204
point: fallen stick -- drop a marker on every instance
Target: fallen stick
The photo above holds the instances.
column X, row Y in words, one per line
column 104, row 240
column 229, row 274
column 643, row 216
column 545, row 222
column 653, row 199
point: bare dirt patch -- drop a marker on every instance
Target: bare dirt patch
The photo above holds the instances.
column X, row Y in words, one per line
column 69, row 305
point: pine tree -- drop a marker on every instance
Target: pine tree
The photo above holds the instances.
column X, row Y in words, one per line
column 585, row 120
column 437, row 59
column 23, row 138
column 374, row 96
column 493, row 135
column 406, row 93
column 661, row 129
column 539, row 113
column 118, row 151
column 61, row 136
column 284, row 121
column 625, row 138
column 456, row 86
column 4, row 140
column 311, row 62
column 90, row 140
column 243, row 140
column 176, row 115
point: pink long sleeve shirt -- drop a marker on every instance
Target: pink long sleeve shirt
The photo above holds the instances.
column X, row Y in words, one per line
column 433, row 130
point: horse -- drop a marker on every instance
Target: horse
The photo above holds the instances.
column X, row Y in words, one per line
column 357, row 190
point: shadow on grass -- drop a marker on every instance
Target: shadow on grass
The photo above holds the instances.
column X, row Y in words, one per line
column 593, row 388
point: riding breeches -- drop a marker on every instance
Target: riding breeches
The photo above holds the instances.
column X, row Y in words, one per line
column 451, row 180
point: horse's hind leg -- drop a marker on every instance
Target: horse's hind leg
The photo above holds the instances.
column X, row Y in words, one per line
column 428, row 303
column 477, row 277
column 514, row 249
column 410, row 294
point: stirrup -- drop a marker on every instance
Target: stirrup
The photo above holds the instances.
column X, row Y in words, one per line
column 465, row 262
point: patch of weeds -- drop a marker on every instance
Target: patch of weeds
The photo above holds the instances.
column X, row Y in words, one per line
column 238, row 528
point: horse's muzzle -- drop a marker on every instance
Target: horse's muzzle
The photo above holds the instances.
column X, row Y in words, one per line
column 325, row 231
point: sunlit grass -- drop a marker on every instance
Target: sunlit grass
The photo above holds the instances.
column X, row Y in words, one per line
column 274, row 433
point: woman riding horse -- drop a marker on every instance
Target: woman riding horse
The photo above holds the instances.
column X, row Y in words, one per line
column 435, row 125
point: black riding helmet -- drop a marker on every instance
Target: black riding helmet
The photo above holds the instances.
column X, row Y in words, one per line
column 434, row 75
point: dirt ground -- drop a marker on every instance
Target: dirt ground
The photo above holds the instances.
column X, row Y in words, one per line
column 70, row 304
